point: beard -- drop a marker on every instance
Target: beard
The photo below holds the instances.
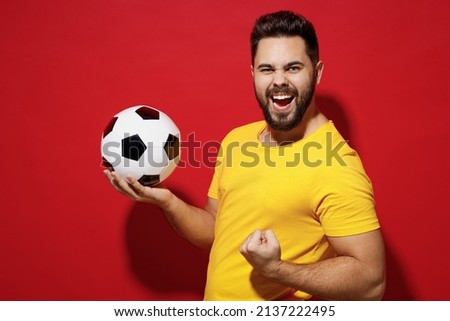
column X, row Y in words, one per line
column 289, row 120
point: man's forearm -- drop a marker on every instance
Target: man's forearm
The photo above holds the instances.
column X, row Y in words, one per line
column 339, row 278
column 193, row 223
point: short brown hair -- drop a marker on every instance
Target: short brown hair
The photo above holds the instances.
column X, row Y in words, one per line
column 285, row 24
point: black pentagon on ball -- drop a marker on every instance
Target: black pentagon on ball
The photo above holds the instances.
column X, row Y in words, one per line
column 110, row 126
column 107, row 164
column 149, row 180
column 133, row 147
column 172, row 146
column 147, row 113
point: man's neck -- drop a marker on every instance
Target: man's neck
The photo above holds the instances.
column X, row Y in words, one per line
column 312, row 120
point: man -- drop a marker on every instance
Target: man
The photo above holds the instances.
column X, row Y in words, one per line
column 290, row 211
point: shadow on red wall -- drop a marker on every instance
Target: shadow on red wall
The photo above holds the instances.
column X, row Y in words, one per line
column 166, row 264
column 334, row 111
column 397, row 287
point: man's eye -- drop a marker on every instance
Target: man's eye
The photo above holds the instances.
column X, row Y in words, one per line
column 266, row 70
column 294, row 69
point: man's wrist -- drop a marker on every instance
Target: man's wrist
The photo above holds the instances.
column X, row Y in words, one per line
column 273, row 270
column 169, row 204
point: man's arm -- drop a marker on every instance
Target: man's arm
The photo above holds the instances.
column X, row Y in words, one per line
column 193, row 223
column 357, row 273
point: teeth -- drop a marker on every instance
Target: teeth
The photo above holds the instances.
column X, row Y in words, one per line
column 281, row 97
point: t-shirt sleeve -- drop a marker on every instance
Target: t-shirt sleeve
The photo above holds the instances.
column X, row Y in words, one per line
column 214, row 188
column 343, row 199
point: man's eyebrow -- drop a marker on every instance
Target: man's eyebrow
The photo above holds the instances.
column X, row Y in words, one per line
column 294, row 63
column 265, row 66
column 289, row 64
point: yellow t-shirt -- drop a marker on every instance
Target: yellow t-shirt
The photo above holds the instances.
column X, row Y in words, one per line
column 303, row 191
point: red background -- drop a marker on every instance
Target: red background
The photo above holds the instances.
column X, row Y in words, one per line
column 68, row 66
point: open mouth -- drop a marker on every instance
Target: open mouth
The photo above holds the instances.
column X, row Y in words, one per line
column 281, row 101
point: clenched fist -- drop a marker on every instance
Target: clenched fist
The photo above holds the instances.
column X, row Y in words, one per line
column 262, row 250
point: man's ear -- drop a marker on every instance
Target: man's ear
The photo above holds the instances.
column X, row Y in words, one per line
column 319, row 71
column 253, row 72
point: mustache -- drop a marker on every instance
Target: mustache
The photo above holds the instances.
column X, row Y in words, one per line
column 281, row 91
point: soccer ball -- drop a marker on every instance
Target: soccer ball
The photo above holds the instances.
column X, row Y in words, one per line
column 142, row 142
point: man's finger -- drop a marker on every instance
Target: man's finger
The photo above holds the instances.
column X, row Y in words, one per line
column 136, row 186
column 270, row 236
column 256, row 236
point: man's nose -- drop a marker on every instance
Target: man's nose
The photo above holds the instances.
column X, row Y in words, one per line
column 280, row 78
